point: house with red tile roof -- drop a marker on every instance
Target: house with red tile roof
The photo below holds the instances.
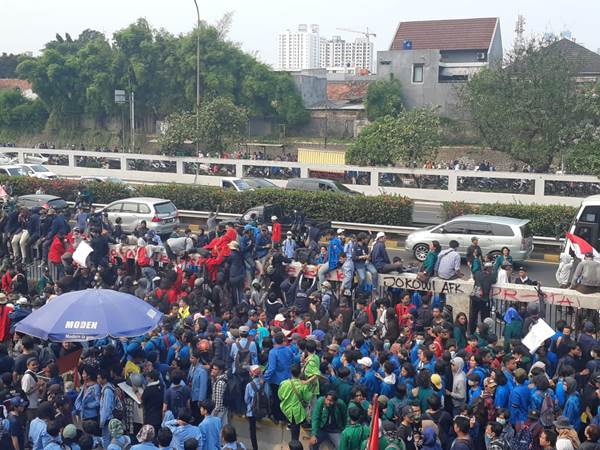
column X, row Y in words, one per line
column 434, row 58
column 14, row 84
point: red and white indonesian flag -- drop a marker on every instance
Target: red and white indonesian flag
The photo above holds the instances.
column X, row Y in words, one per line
column 580, row 246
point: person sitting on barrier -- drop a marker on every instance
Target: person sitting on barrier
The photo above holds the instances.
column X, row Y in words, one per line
column 380, row 257
column 586, row 278
column 447, row 266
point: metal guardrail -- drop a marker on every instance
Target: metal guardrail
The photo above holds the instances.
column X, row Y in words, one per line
column 371, row 227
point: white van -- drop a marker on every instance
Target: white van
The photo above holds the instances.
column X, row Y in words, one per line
column 587, row 221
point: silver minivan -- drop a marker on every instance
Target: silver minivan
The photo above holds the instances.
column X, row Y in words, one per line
column 160, row 215
column 494, row 232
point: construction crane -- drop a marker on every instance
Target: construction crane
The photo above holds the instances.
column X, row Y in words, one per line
column 367, row 34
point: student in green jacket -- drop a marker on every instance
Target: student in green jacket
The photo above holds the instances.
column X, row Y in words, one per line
column 328, row 420
column 342, row 383
column 459, row 332
column 513, row 328
column 358, row 399
column 354, row 433
column 311, row 366
column 294, row 396
column 429, row 264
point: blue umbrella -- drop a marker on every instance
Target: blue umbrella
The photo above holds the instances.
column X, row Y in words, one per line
column 90, row 314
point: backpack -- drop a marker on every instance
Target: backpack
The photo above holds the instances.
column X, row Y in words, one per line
column 547, row 410
column 118, row 411
column 260, row 402
column 242, row 357
column 233, row 392
column 178, row 399
column 522, row 440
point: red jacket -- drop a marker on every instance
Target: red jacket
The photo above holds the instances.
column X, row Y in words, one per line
column 4, row 322
column 7, row 283
column 276, row 234
column 57, row 249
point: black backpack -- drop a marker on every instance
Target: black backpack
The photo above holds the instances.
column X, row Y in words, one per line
column 178, row 399
column 242, row 357
column 260, row 402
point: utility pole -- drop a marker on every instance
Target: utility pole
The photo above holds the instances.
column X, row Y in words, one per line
column 197, row 89
column 132, row 118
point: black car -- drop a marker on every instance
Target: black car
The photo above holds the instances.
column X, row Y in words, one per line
column 42, row 201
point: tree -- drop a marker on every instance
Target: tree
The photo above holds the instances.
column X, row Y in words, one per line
column 76, row 78
column 411, row 138
column 18, row 113
column 384, row 98
column 221, row 123
column 529, row 108
column 8, row 65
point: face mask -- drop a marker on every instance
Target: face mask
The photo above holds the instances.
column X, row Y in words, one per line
column 452, row 354
column 419, row 341
column 501, row 420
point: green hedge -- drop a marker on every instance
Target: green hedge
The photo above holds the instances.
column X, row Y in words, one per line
column 546, row 220
column 381, row 209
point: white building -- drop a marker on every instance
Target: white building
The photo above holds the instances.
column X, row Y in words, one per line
column 306, row 49
column 300, row 49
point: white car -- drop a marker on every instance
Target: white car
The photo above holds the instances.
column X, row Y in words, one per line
column 12, row 170
column 38, row 171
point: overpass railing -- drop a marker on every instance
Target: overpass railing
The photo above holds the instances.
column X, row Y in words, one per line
column 421, row 184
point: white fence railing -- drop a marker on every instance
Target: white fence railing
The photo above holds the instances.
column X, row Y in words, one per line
column 420, row 184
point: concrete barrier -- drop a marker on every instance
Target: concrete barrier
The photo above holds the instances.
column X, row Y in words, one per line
column 419, row 184
column 458, row 292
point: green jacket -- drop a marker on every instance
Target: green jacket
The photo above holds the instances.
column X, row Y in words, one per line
column 385, row 444
column 290, row 404
column 459, row 336
column 513, row 330
column 320, row 414
column 353, row 436
column 342, row 388
column 429, row 263
column 312, row 367
column 363, row 406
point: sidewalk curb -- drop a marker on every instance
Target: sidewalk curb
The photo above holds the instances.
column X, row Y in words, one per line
column 550, row 257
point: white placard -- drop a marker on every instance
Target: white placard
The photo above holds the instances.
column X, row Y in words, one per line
column 81, row 253
column 537, row 335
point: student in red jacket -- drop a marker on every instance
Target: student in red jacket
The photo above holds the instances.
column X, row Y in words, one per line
column 276, row 232
column 57, row 250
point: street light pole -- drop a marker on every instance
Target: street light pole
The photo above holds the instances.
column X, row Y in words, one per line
column 197, row 89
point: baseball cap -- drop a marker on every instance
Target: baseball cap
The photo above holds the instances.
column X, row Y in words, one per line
column 380, row 235
column 70, row 431
column 340, row 231
column 334, row 347
column 273, row 217
column 366, row 361
column 244, row 329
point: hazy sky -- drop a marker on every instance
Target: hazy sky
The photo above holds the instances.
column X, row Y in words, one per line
column 25, row 25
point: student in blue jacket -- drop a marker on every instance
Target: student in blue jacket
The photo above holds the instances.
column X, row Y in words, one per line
column 520, row 398
column 573, row 406
column 474, row 390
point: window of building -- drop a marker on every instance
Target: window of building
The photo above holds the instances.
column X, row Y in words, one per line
column 417, row 73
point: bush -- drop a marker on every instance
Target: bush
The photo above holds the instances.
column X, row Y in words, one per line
column 546, row 220
column 450, row 210
column 382, row 209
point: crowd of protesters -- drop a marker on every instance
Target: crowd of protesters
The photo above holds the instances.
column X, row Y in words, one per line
column 260, row 325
